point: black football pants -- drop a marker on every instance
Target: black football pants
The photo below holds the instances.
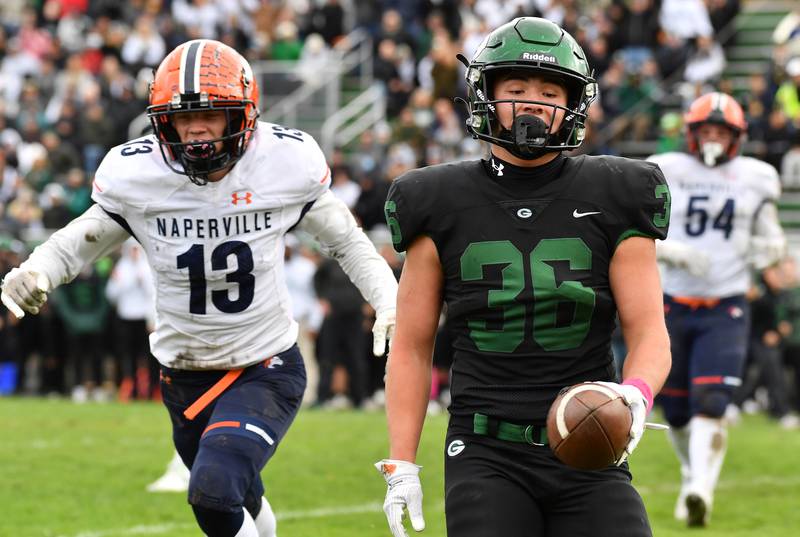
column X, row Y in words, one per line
column 496, row 488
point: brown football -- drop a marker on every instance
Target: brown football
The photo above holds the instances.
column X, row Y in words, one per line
column 588, row 426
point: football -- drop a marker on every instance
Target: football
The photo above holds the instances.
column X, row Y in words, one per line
column 588, row 426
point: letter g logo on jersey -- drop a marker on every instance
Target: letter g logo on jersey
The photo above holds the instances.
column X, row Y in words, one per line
column 455, row 447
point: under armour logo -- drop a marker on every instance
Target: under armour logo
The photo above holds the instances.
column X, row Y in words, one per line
column 247, row 198
column 498, row 168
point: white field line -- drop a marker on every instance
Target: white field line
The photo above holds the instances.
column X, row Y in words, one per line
column 161, row 529
column 374, row 507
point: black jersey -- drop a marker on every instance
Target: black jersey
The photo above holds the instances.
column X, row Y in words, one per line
column 526, row 271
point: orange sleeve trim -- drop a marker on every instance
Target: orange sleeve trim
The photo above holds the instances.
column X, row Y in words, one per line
column 234, row 424
column 212, row 393
column 325, row 177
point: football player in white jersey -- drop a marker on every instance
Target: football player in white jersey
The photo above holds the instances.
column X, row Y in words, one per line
column 210, row 196
column 724, row 223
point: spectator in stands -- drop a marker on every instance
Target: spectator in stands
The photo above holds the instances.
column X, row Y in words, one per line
column 777, row 137
column 338, row 342
column 327, row 20
column 55, row 214
column 300, row 267
column 313, row 59
column 685, row 19
column 636, row 32
column 78, row 193
column 790, row 164
column 344, row 187
column 722, row 13
column 706, row 61
column 9, row 179
column 788, row 95
column 789, row 318
column 670, row 133
column 83, row 309
column 130, row 290
column 61, row 154
column 765, row 353
column 286, row 45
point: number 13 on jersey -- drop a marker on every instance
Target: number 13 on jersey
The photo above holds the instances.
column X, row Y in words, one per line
column 194, row 260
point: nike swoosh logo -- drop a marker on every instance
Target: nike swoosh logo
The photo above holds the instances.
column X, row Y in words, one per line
column 576, row 214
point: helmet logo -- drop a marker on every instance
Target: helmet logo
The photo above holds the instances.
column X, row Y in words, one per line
column 538, row 57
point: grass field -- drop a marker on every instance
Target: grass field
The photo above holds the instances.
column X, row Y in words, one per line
column 80, row 470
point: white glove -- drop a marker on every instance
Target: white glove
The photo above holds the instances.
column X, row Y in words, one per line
column 637, row 402
column 765, row 251
column 382, row 330
column 24, row 290
column 684, row 257
column 404, row 490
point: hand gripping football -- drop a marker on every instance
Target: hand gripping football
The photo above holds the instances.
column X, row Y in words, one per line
column 588, row 426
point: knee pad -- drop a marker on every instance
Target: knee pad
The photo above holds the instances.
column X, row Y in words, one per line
column 712, row 400
column 676, row 409
column 225, row 469
column 218, row 523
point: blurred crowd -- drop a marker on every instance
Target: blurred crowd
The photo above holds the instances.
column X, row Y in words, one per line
column 73, row 83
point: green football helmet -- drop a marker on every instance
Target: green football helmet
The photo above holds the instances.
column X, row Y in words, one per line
column 540, row 48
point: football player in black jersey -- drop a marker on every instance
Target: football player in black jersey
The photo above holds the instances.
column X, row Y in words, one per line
column 533, row 253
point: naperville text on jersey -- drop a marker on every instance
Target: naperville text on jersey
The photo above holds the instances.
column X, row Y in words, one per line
column 210, row 228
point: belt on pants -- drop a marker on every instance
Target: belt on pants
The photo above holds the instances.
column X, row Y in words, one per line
column 504, row 430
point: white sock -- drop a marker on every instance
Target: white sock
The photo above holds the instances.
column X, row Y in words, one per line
column 679, row 436
column 248, row 528
column 708, row 439
column 265, row 521
column 176, row 465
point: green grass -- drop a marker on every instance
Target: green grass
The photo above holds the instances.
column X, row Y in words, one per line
column 80, row 470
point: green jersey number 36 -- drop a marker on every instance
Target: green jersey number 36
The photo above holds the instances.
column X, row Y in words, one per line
column 546, row 293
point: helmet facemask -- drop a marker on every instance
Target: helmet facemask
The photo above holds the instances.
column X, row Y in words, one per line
column 529, row 136
column 197, row 159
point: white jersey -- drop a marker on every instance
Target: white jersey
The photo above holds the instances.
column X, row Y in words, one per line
column 217, row 250
column 715, row 210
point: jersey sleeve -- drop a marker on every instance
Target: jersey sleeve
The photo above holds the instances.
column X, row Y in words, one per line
column 645, row 203
column 406, row 211
column 105, row 189
column 318, row 173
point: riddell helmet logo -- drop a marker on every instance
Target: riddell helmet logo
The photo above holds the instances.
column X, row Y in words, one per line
column 538, row 57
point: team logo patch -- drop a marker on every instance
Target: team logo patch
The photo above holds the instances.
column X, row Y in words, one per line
column 455, row 447
column 272, row 363
column 245, row 197
column 524, row 213
column 735, row 312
